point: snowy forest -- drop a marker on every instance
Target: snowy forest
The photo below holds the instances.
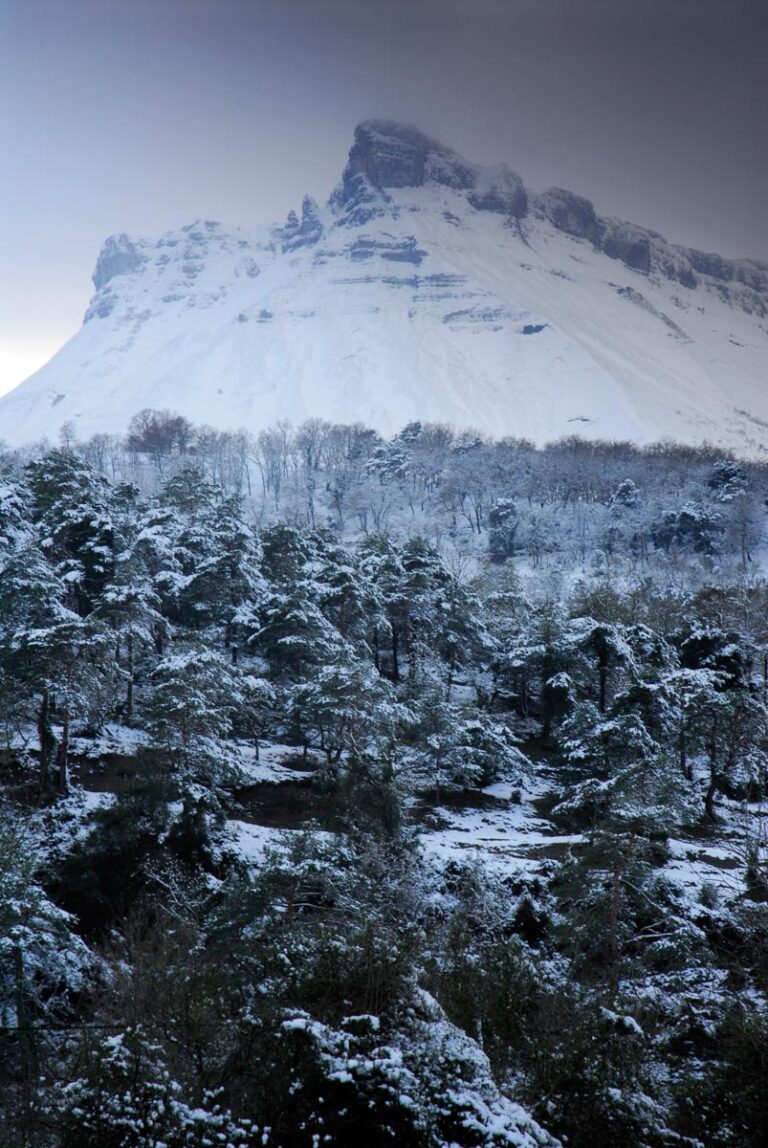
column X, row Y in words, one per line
column 402, row 792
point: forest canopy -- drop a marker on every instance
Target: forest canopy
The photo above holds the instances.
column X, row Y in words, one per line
column 402, row 792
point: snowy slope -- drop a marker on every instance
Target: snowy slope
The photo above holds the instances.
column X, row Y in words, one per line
column 428, row 288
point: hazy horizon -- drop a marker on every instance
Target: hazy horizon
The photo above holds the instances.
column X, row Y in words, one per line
column 140, row 116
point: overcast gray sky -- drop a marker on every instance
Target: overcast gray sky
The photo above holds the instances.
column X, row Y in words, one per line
column 139, row 115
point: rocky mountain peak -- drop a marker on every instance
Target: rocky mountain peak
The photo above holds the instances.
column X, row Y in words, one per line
column 387, row 155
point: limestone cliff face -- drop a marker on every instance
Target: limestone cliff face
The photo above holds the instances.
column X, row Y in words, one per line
column 397, row 155
column 570, row 213
column 386, row 156
column 742, row 282
column 119, row 256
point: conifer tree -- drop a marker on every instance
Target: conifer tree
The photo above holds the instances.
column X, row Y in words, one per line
column 73, row 515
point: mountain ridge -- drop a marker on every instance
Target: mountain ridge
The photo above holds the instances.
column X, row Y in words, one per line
column 428, row 287
column 423, row 159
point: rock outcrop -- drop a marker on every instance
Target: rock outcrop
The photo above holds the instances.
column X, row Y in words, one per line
column 570, row 213
column 386, row 156
column 302, row 232
column 119, row 256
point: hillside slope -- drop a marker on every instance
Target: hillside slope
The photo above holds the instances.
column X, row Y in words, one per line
column 428, row 288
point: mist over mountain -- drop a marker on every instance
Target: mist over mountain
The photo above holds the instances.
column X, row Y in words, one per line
column 429, row 288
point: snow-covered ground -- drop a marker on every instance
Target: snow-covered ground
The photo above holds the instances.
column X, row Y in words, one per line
column 253, row 842
column 510, row 838
column 500, row 827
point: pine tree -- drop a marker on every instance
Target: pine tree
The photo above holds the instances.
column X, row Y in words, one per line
column 43, row 964
column 130, row 606
column 383, row 567
column 15, row 525
column 193, row 700
column 60, row 657
column 346, row 707
column 73, row 514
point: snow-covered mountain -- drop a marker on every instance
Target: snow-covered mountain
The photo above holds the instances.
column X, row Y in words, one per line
column 427, row 288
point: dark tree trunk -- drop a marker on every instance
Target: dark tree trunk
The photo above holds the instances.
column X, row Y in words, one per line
column 614, row 912
column 27, row 1049
column 62, row 758
column 685, row 765
column 47, row 740
column 603, row 669
column 709, row 797
column 395, row 659
column 129, row 689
